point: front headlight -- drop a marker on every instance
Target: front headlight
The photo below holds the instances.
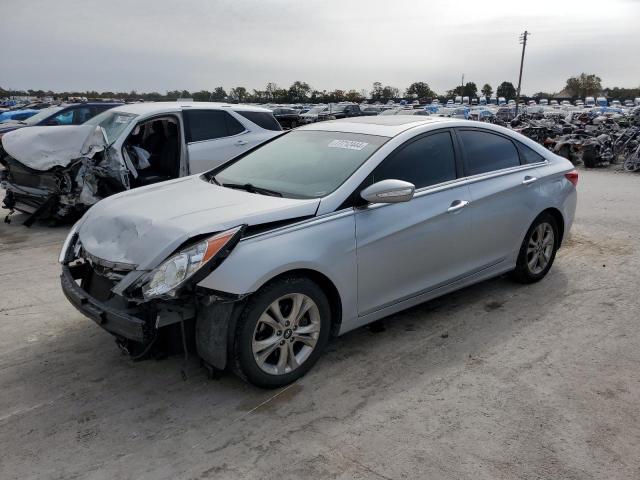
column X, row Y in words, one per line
column 177, row 269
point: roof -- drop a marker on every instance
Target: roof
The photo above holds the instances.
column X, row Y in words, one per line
column 381, row 125
column 147, row 108
column 82, row 104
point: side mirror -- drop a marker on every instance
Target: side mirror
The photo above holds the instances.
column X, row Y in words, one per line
column 388, row 191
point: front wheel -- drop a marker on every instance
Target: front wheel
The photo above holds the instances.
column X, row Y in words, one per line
column 538, row 250
column 281, row 332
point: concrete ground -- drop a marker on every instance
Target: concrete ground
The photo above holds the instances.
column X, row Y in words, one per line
column 498, row 381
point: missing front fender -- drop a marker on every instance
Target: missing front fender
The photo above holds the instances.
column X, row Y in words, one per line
column 215, row 324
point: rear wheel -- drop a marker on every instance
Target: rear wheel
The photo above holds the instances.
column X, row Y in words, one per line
column 538, row 250
column 281, row 332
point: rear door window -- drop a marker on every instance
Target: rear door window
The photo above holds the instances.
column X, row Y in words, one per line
column 427, row 161
column 487, row 152
column 210, row 124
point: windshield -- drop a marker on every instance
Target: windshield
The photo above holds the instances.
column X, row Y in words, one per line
column 41, row 115
column 317, row 109
column 113, row 123
column 302, row 164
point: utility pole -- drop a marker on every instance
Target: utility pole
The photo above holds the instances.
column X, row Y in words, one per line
column 461, row 88
column 523, row 42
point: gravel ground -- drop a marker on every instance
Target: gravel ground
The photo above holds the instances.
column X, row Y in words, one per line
column 498, row 381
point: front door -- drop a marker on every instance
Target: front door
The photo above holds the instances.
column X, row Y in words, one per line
column 405, row 249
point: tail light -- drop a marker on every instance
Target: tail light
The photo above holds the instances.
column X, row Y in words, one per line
column 572, row 176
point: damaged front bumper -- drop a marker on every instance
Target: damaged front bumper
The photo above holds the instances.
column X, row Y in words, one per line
column 113, row 320
column 208, row 317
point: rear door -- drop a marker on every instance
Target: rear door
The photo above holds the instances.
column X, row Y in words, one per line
column 213, row 137
column 405, row 249
column 504, row 195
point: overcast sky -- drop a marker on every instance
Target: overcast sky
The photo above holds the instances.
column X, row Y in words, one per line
column 160, row 45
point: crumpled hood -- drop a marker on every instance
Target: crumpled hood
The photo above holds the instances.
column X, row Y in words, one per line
column 42, row 148
column 144, row 226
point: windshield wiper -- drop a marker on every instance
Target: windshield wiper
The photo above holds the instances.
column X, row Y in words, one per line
column 252, row 189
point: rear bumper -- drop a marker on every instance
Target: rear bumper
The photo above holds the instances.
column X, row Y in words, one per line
column 112, row 320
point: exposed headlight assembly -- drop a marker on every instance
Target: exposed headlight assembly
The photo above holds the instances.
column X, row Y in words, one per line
column 65, row 253
column 166, row 279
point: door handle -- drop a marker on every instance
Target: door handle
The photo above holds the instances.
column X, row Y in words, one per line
column 457, row 205
column 528, row 179
column 241, row 142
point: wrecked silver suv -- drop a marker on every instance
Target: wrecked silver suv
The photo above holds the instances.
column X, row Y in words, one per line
column 58, row 172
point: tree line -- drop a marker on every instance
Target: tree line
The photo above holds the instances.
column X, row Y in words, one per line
column 580, row 86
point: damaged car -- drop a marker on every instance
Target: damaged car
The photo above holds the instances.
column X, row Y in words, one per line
column 58, row 172
column 256, row 263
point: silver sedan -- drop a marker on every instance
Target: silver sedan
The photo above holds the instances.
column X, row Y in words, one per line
column 255, row 264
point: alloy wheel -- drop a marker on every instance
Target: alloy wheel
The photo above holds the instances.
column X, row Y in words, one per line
column 540, row 248
column 286, row 334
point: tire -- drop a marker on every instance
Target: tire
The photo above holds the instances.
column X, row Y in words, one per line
column 528, row 271
column 263, row 338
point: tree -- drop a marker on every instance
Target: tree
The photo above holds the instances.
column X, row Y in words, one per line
column 506, row 90
column 376, row 91
column 299, row 91
column 584, row 85
column 487, row 91
column 172, row 94
column 622, row 93
column 218, row 94
column 239, row 94
column 270, row 90
column 543, row 95
column 389, row 93
column 202, row 96
column 420, row 90
column 470, row 90
column 335, row 96
column 353, row 96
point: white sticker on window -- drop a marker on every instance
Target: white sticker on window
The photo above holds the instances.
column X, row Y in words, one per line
column 347, row 144
column 121, row 119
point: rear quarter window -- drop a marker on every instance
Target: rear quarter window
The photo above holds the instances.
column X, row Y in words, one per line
column 527, row 155
column 264, row 120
